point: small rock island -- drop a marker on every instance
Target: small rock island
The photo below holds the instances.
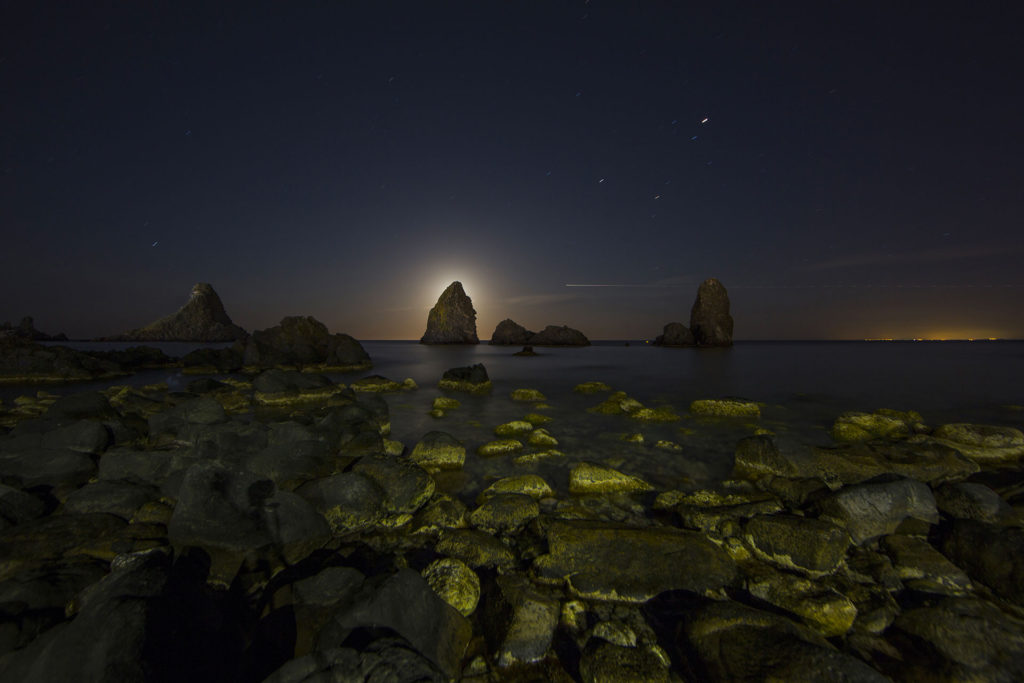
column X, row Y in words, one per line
column 452, row 320
column 710, row 321
column 202, row 319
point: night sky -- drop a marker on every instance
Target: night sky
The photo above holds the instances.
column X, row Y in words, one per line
column 846, row 169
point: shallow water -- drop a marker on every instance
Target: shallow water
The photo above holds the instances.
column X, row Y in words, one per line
column 803, row 387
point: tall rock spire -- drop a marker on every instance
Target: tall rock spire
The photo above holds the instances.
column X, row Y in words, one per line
column 452, row 320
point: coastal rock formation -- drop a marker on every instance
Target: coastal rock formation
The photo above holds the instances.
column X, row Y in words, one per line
column 303, row 341
column 452, row 320
column 202, row 319
column 552, row 335
column 675, row 334
column 510, row 333
column 24, row 361
column 710, row 321
column 26, row 329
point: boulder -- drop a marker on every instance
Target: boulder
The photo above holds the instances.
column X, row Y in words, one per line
column 553, row 335
column 510, row 333
column 810, row 546
column 471, row 378
column 588, row 477
column 675, row 334
column 452, row 320
column 304, row 341
column 519, row 621
column 602, row 561
column 871, row 510
column 405, row 603
column 987, row 445
column 455, row 583
column 202, row 319
column 965, row 500
column 710, row 321
column 439, row 450
column 733, row 642
column 989, row 553
column 504, row 513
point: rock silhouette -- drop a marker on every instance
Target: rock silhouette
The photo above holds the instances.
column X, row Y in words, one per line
column 710, row 321
column 510, row 333
column 26, row 329
column 202, row 319
column 675, row 334
column 553, row 335
column 303, row 341
column 452, row 320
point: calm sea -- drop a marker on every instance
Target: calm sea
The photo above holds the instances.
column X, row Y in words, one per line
column 804, row 386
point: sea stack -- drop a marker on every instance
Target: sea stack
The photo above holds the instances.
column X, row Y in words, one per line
column 202, row 319
column 452, row 320
column 510, row 333
column 710, row 322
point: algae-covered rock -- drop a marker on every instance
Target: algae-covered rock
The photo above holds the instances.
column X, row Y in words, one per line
column 864, row 426
column 472, row 379
column 455, row 583
column 514, row 428
column 527, row 484
column 923, row 568
column 528, row 395
column 504, row 512
column 520, row 621
column 991, row 554
column 871, row 510
column 929, row 462
column 670, row 446
column 602, row 561
column 439, row 450
column 441, row 512
column 445, row 403
column 824, row 609
column 719, row 514
column 500, row 447
column 757, row 456
column 476, row 548
column 541, row 439
column 376, row 384
column 810, row 546
column 733, row 642
column 617, row 404
column 604, row 662
column 965, row 500
column 725, row 407
column 591, row 388
column 984, row 444
column 406, row 485
column 590, row 478
column 531, row 458
column 659, row 414
column 966, row 640
column 537, row 419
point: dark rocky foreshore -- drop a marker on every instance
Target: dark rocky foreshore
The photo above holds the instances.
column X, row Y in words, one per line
column 271, row 530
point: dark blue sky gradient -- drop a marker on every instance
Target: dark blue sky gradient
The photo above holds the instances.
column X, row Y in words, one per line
column 859, row 175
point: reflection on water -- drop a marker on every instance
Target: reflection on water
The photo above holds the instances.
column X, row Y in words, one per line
column 803, row 386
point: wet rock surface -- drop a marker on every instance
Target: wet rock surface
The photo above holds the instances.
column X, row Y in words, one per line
column 267, row 528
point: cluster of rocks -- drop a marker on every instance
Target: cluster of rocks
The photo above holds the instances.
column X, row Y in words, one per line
column 510, row 333
column 710, row 321
column 272, row 530
column 25, row 362
column 26, row 329
column 201, row 319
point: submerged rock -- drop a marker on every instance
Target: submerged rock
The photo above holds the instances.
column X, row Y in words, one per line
column 710, row 321
column 587, row 477
column 452, row 320
column 675, row 334
column 203, row 319
column 510, row 333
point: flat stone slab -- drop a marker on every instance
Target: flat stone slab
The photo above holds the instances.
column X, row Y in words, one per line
column 604, row 561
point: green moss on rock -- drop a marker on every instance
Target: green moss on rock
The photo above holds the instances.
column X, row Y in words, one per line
column 591, row 388
column 513, row 428
column 587, row 477
column 455, row 583
column 725, row 407
column 528, row 395
column 500, row 447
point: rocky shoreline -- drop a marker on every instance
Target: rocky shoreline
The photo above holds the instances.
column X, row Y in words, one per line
column 269, row 528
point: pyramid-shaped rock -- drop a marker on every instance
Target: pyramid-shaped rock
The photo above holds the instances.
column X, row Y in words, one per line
column 452, row 320
column 202, row 319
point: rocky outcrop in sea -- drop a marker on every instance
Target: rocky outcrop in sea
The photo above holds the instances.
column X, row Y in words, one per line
column 202, row 319
column 510, row 333
column 26, row 329
column 675, row 334
column 452, row 320
column 710, row 322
